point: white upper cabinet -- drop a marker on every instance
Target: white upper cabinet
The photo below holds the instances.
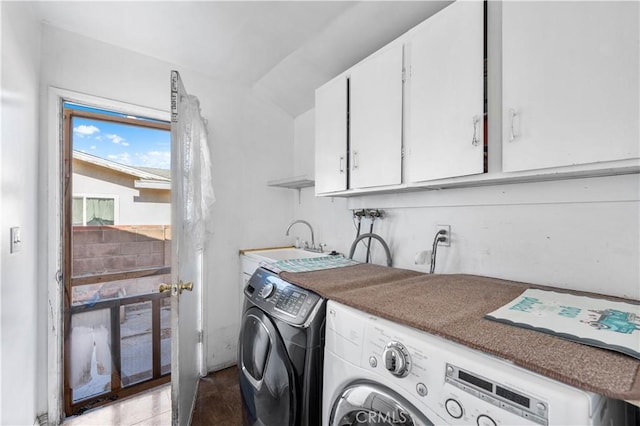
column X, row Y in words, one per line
column 375, row 105
column 570, row 83
column 445, row 123
column 331, row 136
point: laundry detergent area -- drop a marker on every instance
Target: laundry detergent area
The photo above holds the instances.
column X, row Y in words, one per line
column 383, row 345
column 415, row 333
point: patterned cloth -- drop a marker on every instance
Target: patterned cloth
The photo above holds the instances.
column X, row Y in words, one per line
column 308, row 264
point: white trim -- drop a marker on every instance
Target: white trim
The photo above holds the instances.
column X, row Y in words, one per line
column 53, row 256
column 50, row 217
column 152, row 184
column 111, row 105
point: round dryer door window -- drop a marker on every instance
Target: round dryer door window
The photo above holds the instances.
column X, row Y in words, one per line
column 374, row 405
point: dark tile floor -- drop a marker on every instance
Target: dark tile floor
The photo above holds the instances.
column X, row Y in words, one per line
column 218, row 402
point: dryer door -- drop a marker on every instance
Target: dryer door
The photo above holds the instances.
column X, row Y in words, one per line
column 267, row 382
column 373, row 404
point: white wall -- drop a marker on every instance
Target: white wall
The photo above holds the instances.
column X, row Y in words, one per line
column 250, row 140
column 22, row 342
column 581, row 234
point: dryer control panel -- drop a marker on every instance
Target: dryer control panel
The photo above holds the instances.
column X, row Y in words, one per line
column 280, row 298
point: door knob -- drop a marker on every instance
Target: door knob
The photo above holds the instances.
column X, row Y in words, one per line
column 185, row 286
column 181, row 286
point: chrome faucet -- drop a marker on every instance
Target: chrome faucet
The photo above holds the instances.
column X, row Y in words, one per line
column 313, row 243
column 371, row 235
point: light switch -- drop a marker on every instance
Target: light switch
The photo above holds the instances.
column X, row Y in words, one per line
column 16, row 243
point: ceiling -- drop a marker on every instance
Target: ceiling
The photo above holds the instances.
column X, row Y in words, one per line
column 282, row 49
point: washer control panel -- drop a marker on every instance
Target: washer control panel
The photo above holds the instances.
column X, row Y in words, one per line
column 280, row 298
column 515, row 402
column 440, row 378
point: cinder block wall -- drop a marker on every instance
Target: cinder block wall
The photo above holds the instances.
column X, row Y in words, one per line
column 109, row 249
column 99, row 250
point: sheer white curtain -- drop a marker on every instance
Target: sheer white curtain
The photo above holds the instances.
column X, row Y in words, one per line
column 195, row 168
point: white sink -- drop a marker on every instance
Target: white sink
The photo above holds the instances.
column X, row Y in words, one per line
column 274, row 255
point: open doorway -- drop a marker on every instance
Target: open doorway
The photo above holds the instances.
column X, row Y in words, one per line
column 116, row 250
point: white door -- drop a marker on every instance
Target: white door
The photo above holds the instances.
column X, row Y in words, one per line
column 187, row 131
column 446, row 95
column 375, row 120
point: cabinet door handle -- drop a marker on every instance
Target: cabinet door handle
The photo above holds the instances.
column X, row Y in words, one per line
column 476, row 121
column 355, row 159
column 342, row 164
column 512, row 118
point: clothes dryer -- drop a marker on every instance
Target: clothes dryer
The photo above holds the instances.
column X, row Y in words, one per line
column 280, row 353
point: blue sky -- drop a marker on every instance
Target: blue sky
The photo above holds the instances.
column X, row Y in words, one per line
column 130, row 145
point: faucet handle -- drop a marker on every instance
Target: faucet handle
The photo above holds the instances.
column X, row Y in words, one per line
column 305, row 244
column 322, row 247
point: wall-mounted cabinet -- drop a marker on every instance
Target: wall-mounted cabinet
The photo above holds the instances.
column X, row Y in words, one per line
column 359, row 125
column 363, row 114
column 570, row 83
column 445, row 90
column 331, row 136
column 375, row 119
column 566, row 97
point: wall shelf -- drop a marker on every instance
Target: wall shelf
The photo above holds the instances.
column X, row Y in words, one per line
column 297, row 182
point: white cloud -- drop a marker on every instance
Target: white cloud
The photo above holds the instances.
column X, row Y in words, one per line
column 123, row 158
column 84, row 130
column 116, row 139
column 125, row 143
column 93, row 147
column 157, row 159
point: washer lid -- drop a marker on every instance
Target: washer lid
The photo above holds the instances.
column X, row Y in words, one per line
column 373, row 404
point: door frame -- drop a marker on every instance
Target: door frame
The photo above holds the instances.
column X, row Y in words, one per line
column 51, row 243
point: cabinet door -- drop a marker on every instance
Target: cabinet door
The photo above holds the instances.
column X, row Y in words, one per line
column 446, row 95
column 331, row 136
column 570, row 83
column 375, row 106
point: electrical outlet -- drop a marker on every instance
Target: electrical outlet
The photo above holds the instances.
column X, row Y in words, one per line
column 447, row 235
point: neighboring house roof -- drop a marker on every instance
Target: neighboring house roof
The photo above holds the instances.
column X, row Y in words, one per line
column 148, row 177
column 160, row 172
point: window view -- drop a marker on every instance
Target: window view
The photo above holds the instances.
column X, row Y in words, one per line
column 119, row 226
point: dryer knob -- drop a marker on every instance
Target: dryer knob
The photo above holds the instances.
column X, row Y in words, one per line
column 396, row 359
column 267, row 290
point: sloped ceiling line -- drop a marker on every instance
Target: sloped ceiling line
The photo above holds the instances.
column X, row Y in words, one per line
column 283, row 50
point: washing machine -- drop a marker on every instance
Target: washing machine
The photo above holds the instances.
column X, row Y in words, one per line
column 280, row 352
column 381, row 373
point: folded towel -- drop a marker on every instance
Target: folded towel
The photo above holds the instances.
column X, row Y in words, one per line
column 308, row 264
